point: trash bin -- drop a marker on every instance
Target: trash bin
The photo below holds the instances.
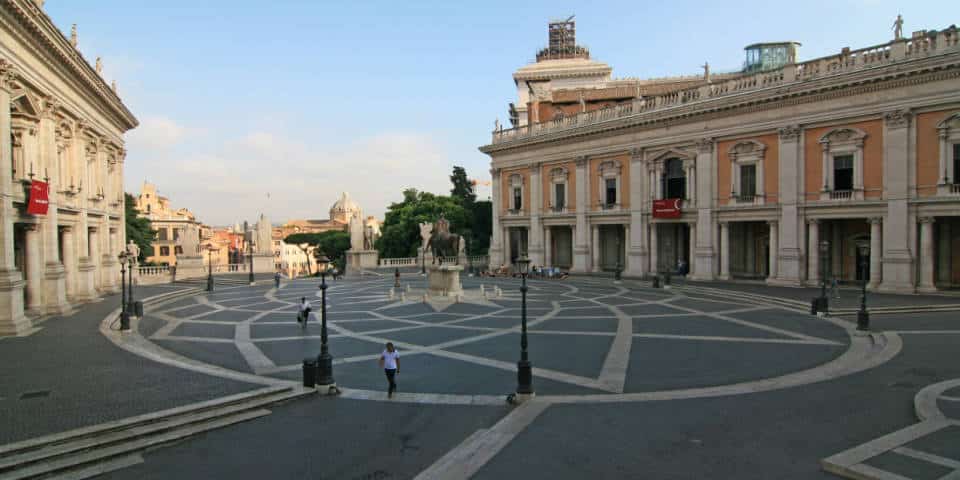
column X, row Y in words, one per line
column 138, row 309
column 310, row 372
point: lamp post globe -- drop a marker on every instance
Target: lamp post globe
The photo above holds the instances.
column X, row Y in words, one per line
column 324, row 360
column 124, row 315
column 524, row 368
column 863, row 316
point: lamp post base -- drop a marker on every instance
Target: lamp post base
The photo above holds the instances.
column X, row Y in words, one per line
column 327, row 389
column 520, row 398
column 124, row 322
column 863, row 320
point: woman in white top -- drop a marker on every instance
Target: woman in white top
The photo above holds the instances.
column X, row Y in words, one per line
column 390, row 362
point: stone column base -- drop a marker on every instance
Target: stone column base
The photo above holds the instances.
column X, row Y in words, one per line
column 330, row 389
column 12, row 320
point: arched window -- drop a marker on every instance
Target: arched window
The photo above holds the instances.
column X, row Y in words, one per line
column 674, row 179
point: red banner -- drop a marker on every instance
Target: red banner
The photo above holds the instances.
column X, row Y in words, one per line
column 37, row 204
column 668, row 208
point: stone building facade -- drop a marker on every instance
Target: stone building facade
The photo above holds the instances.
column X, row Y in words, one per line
column 61, row 124
column 743, row 176
column 171, row 226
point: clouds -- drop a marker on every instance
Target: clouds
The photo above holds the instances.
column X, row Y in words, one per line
column 227, row 180
column 156, row 133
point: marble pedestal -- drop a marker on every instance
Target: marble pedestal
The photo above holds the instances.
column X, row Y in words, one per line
column 359, row 260
column 190, row 267
column 444, row 280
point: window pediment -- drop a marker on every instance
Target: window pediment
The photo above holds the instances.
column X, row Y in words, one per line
column 558, row 174
column 516, row 180
column 949, row 123
column 746, row 148
column 670, row 153
column 845, row 135
column 610, row 168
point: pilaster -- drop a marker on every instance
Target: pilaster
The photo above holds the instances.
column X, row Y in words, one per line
column 535, row 239
column 12, row 319
column 703, row 265
column 898, row 258
column 580, row 233
column 636, row 254
column 496, row 240
column 790, row 227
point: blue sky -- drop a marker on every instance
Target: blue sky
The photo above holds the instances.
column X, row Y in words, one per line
column 304, row 99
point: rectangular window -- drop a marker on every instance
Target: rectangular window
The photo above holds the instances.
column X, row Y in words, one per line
column 176, row 233
column 164, row 251
column 560, row 196
column 611, row 188
column 843, row 172
column 517, row 198
column 178, row 250
column 161, row 234
column 956, row 164
column 748, row 181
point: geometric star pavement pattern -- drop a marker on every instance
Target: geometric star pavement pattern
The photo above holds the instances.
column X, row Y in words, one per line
column 588, row 337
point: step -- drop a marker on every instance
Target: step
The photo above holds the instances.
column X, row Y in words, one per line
column 140, row 430
column 72, row 435
column 98, row 455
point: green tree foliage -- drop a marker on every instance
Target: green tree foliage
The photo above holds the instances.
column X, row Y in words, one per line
column 462, row 187
column 333, row 244
column 138, row 228
column 400, row 235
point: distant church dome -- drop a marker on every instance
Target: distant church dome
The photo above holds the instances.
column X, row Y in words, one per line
column 344, row 208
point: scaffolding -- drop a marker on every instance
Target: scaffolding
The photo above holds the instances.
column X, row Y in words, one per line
column 562, row 41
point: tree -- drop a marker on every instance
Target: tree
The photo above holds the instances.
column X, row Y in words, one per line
column 462, row 187
column 400, row 235
column 138, row 228
column 333, row 244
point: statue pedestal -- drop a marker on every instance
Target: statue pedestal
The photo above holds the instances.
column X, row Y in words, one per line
column 264, row 263
column 444, row 280
column 359, row 260
column 190, row 267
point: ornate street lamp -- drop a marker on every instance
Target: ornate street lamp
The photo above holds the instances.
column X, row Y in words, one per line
column 824, row 305
column 209, row 268
column 131, row 260
column 524, row 369
column 124, row 316
column 250, row 249
column 863, row 317
column 325, row 360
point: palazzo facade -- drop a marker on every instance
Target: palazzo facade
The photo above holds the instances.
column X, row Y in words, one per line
column 60, row 124
column 744, row 175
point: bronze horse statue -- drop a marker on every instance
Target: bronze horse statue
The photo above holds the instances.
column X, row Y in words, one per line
column 444, row 244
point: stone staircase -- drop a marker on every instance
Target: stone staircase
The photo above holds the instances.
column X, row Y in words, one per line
column 90, row 451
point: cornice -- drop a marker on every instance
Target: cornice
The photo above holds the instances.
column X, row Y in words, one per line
column 925, row 70
column 50, row 45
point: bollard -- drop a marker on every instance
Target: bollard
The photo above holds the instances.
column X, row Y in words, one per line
column 391, row 294
column 403, row 296
column 656, row 281
column 481, row 289
column 424, row 298
column 408, row 287
column 310, row 372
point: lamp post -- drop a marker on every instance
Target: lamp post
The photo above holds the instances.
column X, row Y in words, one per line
column 131, row 260
column 524, row 369
column 824, row 305
column 863, row 317
column 423, row 261
column 209, row 268
column 250, row 250
column 124, row 316
column 325, row 360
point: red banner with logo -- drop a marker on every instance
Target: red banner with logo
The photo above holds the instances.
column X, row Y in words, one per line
column 668, row 208
column 37, row 203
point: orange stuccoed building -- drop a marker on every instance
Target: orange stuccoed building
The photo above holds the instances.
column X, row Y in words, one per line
column 842, row 167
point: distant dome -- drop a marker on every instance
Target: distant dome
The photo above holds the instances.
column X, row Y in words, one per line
column 343, row 208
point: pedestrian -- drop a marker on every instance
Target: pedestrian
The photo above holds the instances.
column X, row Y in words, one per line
column 276, row 279
column 304, row 312
column 390, row 362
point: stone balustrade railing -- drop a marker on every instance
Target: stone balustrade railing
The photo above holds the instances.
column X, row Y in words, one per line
column 152, row 271
column 945, row 41
column 399, row 262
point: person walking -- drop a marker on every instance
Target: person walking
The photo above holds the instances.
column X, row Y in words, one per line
column 276, row 280
column 390, row 362
column 304, row 314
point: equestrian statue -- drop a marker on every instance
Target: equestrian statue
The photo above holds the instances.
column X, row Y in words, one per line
column 442, row 243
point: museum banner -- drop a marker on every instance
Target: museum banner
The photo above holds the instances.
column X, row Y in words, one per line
column 667, row 208
column 37, row 203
